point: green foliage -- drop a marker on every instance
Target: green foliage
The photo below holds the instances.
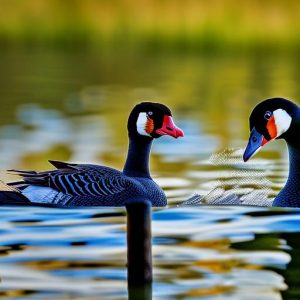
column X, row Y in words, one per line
column 176, row 25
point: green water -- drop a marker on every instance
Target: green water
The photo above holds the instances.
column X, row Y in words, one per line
column 214, row 93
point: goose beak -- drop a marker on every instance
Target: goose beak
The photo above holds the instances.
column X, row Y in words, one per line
column 256, row 141
column 169, row 128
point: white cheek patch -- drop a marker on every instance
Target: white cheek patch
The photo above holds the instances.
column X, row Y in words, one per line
column 282, row 121
column 141, row 124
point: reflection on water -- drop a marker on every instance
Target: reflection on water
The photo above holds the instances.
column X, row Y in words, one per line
column 228, row 252
column 74, row 107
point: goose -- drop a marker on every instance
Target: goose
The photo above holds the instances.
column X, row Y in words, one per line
column 275, row 118
column 278, row 118
column 74, row 185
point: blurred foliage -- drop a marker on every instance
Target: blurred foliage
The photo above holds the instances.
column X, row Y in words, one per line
column 177, row 25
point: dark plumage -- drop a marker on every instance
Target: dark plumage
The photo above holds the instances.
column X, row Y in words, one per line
column 278, row 118
column 94, row 185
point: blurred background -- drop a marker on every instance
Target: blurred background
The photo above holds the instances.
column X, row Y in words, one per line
column 70, row 71
column 211, row 61
column 153, row 25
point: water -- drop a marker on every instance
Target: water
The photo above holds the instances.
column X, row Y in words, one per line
column 74, row 106
column 208, row 252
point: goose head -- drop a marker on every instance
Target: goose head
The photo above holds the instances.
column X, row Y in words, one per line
column 275, row 118
column 152, row 120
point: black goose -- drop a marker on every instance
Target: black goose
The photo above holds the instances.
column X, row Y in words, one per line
column 94, row 185
column 278, row 118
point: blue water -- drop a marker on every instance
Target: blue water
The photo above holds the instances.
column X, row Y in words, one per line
column 198, row 252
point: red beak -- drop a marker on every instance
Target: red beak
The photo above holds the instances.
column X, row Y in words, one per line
column 169, row 128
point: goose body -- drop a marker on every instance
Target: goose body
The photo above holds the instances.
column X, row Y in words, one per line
column 87, row 185
column 278, row 118
column 94, row 185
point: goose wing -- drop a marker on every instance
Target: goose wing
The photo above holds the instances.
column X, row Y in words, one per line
column 78, row 179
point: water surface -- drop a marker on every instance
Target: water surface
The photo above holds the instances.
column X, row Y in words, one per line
column 74, row 106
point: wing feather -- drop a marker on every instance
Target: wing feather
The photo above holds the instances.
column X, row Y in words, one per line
column 78, row 179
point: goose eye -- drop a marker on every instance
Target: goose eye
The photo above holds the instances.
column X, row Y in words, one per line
column 254, row 139
column 267, row 115
column 150, row 113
